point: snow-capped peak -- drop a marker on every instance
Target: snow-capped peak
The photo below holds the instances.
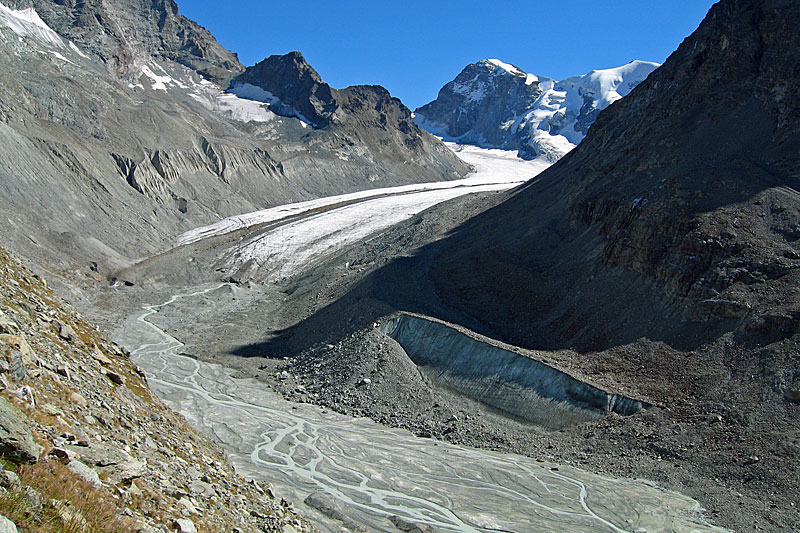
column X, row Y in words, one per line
column 609, row 85
column 495, row 104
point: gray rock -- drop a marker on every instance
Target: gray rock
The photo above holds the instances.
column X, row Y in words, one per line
column 331, row 507
column 183, row 525
column 7, row 526
column 410, row 527
column 7, row 326
column 201, row 488
column 9, row 480
column 63, row 455
column 19, row 356
column 86, row 473
column 64, row 331
column 16, row 441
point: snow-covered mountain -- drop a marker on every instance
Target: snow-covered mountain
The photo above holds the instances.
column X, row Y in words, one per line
column 495, row 104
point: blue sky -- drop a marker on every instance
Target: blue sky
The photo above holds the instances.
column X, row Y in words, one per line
column 414, row 47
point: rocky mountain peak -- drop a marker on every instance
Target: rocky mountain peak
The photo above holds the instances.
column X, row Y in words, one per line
column 124, row 32
column 298, row 87
column 484, row 95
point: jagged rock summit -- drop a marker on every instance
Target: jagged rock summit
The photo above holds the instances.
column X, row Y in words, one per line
column 364, row 114
column 291, row 85
column 495, row 104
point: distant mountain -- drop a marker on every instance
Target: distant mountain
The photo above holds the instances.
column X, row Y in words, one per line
column 117, row 133
column 495, row 104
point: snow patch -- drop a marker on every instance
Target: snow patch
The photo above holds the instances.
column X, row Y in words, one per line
column 506, row 66
column 159, row 83
column 27, row 23
column 77, row 50
column 61, row 57
column 230, row 105
column 248, row 91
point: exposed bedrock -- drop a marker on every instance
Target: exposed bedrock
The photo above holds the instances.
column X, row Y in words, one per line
column 502, row 378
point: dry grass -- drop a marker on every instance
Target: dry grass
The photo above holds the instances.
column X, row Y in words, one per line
column 69, row 504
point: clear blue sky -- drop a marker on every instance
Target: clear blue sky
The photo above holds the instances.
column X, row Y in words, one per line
column 414, row 47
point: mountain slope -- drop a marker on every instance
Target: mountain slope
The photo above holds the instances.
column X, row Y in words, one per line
column 116, row 136
column 494, row 104
column 108, row 455
column 669, row 192
column 661, row 258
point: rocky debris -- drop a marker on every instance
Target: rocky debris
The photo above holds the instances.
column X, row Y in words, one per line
column 116, row 437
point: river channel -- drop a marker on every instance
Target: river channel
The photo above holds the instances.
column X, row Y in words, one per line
column 375, row 473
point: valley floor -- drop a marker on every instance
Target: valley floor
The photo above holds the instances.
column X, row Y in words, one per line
column 308, row 332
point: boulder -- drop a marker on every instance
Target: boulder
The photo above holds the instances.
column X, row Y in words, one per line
column 16, row 441
column 184, row 525
column 7, row 526
column 86, row 473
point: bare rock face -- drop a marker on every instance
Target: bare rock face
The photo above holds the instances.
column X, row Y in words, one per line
column 482, row 97
column 365, row 115
column 298, row 88
column 16, row 441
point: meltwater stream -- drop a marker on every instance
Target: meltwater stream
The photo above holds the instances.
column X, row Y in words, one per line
column 376, row 473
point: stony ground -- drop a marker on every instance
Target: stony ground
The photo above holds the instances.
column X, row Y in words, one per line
column 95, row 450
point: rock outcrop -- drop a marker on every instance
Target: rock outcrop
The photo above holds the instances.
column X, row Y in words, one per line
column 124, row 33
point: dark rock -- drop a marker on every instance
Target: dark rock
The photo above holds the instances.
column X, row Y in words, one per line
column 403, row 524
